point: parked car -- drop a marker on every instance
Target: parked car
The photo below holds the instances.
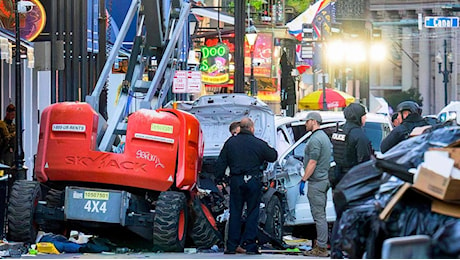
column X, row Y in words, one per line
column 450, row 112
column 377, row 126
column 281, row 204
column 289, row 168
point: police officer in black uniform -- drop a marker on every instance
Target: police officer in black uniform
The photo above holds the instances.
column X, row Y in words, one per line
column 350, row 145
column 245, row 154
column 411, row 118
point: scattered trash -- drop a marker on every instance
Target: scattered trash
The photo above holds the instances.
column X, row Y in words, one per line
column 79, row 237
column 121, row 250
column 33, row 249
column 190, row 250
column 61, row 243
column 215, row 248
column 47, row 247
column 305, row 247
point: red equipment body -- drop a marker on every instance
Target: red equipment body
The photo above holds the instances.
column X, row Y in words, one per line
column 162, row 147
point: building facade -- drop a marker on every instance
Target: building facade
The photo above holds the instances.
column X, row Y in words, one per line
column 416, row 50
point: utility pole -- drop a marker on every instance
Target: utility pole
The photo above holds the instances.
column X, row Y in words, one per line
column 238, row 81
column 18, row 149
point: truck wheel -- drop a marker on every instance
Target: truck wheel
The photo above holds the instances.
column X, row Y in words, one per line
column 170, row 222
column 204, row 232
column 23, row 201
column 274, row 223
column 54, row 199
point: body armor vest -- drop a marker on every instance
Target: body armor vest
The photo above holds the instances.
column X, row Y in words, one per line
column 339, row 147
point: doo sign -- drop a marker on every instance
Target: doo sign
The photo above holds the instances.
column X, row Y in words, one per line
column 441, row 22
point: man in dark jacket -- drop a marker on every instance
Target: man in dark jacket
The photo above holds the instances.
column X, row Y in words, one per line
column 350, row 144
column 350, row 147
column 411, row 118
column 245, row 154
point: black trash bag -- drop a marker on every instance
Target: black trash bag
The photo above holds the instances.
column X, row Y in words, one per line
column 447, row 240
column 98, row 245
column 409, row 153
column 352, row 234
column 412, row 215
column 361, row 182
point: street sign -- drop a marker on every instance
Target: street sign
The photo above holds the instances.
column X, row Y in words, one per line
column 180, row 81
column 187, row 81
column 194, row 82
column 441, row 22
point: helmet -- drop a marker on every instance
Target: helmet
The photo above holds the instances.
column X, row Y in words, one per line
column 354, row 112
column 412, row 106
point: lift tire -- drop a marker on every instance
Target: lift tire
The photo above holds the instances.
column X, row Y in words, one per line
column 170, row 222
column 205, row 232
column 275, row 221
column 54, row 198
column 23, row 202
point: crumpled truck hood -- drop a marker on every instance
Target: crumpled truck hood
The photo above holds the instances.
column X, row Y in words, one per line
column 216, row 112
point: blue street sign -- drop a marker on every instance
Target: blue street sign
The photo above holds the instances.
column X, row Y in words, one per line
column 441, row 22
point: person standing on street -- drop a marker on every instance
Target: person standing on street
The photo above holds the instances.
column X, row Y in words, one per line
column 350, row 144
column 245, row 154
column 8, row 136
column 317, row 161
column 411, row 118
column 350, row 148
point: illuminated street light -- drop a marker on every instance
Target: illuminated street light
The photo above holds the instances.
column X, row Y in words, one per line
column 251, row 37
column 378, row 52
column 355, row 52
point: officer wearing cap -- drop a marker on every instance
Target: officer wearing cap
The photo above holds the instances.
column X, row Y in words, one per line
column 411, row 118
column 317, row 163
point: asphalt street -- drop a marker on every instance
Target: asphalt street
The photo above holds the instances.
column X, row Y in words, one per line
column 149, row 255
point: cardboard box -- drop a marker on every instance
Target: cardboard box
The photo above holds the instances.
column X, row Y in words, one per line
column 437, row 186
column 448, row 209
column 395, row 199
column 454, row 153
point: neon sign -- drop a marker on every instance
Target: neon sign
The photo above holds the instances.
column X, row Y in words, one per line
column 214, row 64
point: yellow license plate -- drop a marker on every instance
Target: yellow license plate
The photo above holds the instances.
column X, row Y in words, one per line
column 96, row 195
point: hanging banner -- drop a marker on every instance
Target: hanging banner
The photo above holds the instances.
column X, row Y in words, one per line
column 261, row 56
column 214, row 64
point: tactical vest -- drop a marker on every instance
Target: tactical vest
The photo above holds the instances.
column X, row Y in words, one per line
column 339, row 139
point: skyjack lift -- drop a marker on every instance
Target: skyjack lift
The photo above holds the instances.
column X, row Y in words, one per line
column 155, row 41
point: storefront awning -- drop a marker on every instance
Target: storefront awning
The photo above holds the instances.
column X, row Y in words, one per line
column 214, row 15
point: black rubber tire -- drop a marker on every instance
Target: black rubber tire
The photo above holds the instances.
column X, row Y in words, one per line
column 23, row 201
column 204, row 231
column 170, row 222
column 54, row 198
column 275, row 221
